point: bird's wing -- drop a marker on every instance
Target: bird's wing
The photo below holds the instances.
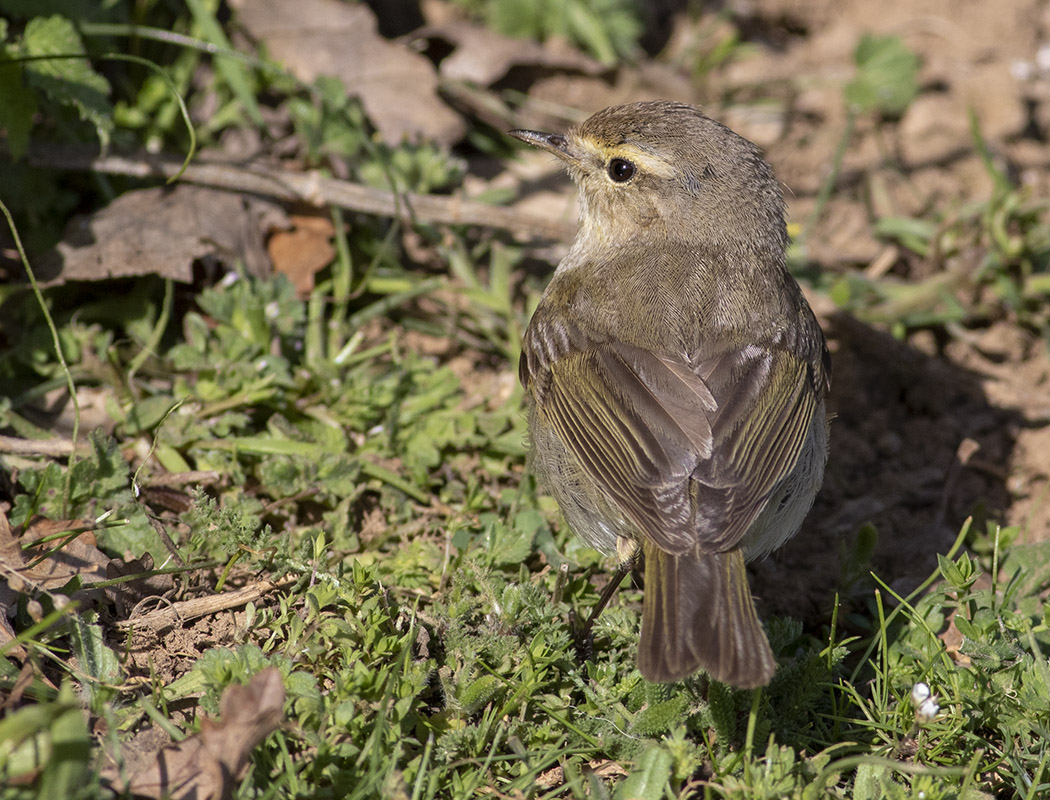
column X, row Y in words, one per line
column 766, row 401
column 638, row 426
column 689, row 454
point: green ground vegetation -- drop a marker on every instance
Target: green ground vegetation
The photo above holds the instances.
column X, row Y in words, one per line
column 423, row 634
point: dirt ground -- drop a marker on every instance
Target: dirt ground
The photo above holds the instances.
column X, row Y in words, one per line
column 907, row 414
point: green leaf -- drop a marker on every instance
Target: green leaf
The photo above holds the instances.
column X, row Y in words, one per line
column 659, row 717
column 479, row 693
column 511, row 544
column 966, row 628
column 870, row 783
column 887, row 76
column 69, row 81
column 650, row 776
column 236, row 75
column 94, row 659
column 606, row 28
column 148, row 413
column 50, row 737
column 723, row 711
column 18, row 106
column 959, row 574
column 67, row 771
column 915, row 234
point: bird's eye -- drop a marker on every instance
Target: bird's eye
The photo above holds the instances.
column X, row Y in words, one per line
column 621, row 170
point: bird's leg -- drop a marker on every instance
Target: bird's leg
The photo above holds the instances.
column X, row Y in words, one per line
column 627, row 551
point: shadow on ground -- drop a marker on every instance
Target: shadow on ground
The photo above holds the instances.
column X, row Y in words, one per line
column 903, row 423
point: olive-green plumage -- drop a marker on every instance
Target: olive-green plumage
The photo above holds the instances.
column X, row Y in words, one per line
column 676, row 377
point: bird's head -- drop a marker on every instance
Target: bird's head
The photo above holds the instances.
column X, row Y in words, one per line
column 664, row 169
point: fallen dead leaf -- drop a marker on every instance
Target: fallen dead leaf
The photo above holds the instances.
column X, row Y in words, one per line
column 53, row 412
column 162, row 231
column 78, row 556
column 604, row 769
column 32, row 566
column 303, row 251
column 953, row 640
column 397, row 86
column 28, row 570
column 481, row 56
column 207, row 765
column 10, row 562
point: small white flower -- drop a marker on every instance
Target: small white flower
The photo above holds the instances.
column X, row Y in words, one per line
column 920, row 693
column 1042, row 58
column 928, row 710
column 1022, row 70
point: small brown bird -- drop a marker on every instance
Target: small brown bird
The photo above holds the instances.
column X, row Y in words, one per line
column 675, row 377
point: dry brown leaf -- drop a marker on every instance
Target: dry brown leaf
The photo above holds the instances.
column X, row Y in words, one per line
column 27, row 570
column 953, row 641
column 397, row 86
column 53, row 412
column 162, row 231
column 482, row 56
column 10, row 562
column 39, row 569
column 78, row 557
column 303, row 251
column 604, row 769
column 207, row 765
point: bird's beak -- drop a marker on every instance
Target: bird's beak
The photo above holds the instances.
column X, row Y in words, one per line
column 551, row 142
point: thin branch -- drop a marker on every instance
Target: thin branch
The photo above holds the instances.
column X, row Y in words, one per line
column 186, row 610
column 50, row 448
column 166, row 479
column 308, row 187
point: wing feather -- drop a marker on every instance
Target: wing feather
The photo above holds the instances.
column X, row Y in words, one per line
column 689, row 453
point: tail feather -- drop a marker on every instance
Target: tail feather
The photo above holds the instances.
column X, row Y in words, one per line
column 698, row 612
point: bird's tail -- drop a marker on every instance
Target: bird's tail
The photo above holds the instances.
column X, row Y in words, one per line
column 698, row 612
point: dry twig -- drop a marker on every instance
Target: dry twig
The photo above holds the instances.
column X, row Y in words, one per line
column 49, row 448
column 169, row 615
column 307, row 187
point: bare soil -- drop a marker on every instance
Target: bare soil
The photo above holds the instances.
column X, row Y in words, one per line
column 909, row 414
